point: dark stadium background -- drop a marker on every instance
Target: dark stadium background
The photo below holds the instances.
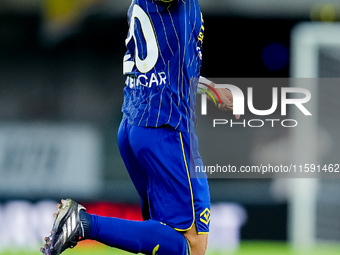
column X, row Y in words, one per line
column 37, row 74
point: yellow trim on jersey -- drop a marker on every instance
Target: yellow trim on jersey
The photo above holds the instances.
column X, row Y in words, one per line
column 203, row 233
column 155, row 249
column 192, row 196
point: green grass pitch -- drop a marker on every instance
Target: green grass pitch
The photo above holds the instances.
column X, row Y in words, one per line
column 247, row 248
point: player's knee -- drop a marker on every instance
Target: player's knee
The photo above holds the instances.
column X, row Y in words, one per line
column 198, row 243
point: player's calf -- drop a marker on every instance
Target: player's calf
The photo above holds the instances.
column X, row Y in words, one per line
column 73, row 224
column 198, row 243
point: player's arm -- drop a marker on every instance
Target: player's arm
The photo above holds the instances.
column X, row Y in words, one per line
column 224, row 94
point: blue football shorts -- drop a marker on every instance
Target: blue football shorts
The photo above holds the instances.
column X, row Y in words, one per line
column 160, row 162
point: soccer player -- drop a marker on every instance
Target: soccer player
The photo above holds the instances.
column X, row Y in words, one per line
column 156, row 138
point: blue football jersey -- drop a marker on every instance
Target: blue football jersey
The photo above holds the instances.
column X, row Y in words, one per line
column 162, row 63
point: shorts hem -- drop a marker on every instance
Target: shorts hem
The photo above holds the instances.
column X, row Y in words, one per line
column 185, row 229
column 203, row 233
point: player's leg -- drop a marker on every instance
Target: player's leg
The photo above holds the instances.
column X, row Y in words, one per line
column 148, row 237
column 198, row 242
column 137, row 172
column 178, row 196
column 179, row 205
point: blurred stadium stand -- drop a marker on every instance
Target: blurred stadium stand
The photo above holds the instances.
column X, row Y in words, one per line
column 261, row 8
column 61, row 67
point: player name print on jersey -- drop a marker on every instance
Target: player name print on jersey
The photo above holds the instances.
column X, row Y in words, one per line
column 147, row 80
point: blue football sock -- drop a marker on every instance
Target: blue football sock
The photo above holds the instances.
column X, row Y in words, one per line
column 86, row 221
column 147, row 237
